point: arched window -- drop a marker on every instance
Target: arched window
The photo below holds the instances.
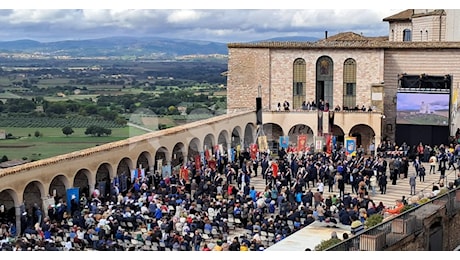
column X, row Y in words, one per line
column 299, row 80
column 349, row 83
column 324, row 81
column 407, row 35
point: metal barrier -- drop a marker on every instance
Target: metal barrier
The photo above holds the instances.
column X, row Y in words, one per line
column 391, row 231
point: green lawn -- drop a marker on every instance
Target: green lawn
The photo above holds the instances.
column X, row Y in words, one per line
column 53, row 142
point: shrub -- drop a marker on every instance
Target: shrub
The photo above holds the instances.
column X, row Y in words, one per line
column 406, row 208
column 373, row 220
column 325, row 244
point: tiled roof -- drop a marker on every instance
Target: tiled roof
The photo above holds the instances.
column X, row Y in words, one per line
column 348, row 44
column 405, row 15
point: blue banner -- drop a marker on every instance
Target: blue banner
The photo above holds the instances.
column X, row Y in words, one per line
column 72, row 193
column 284, row 142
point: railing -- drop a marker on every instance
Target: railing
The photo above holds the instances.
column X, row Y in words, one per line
column 390, row 232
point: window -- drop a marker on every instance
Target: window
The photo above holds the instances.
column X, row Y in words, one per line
column 349, row 83
column 299, row 79
column 407, row 35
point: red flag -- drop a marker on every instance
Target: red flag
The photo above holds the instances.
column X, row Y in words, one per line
column 254, row 150
column 197, row 162
column 328, row 143
column 301, row 142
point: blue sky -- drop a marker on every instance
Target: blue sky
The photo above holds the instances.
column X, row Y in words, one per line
column 235, row 21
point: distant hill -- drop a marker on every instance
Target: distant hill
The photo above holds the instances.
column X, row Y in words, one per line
column 119, row 47
column 116, row 47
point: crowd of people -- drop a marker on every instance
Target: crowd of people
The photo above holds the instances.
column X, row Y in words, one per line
column 202, row 208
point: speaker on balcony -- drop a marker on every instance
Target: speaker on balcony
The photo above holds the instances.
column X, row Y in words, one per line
column 259, row 111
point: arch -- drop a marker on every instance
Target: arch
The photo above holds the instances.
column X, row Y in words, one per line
column 222, row 139
column 8, row 199
column 364, row 135
column 299, row 81
column 33, row 194
column 125, row 166
column 236, row 136
column 273, row 132
column 178, row 155
column 81, row 180
column 349, row 84
column 103, row 179
column 407, row 35
column 193, row 148
column 249, row 133
column 144, row 160
column 208, row 142
column 163, row 155
column 58, row 188
column 324, row 81
column 300, row 129
column 338, row 132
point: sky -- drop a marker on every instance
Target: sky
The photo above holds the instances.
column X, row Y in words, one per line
column 235, row 21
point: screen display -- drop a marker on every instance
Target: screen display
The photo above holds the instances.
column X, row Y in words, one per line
column 422, row 108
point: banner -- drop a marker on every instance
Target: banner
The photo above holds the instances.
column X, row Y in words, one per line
column 72, row 193
column 197, row 162
column 232, row 153
column 166, row 171
column 328, row 143
column 263, row 144
column 320, row 122
column 254, row 151
column 301, row 142
column 319, row 144
column 137, row 173
column 350, row 146
column 331, row 121
column 284, row 142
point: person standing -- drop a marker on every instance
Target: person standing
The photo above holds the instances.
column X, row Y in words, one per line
column 373, row 184
column 383, row 183
column 433, row 161
column 421, row 173
column 412, row 182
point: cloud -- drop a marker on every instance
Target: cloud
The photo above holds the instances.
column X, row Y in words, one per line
column 222, row 25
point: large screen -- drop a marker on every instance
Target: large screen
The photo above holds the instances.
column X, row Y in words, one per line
column 422, row 108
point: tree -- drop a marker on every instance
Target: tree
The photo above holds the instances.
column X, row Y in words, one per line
column 67, row 130
column 97, row 131
column 37, row 133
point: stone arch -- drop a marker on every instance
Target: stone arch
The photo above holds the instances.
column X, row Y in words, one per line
column 82, row 181
column 364, row 135
column 339, row 133
column 193, row 148
column 300, row 129
column 249, row 134
column 58, row 188
column 236, row 136
column 208, row 142
column 144, row 160
column 163, row 155
column 273, row 132
column 8, row 199
column 178, row 154
column 125, row 166
column 223, row 139
column 103, row 180
column 33, row 195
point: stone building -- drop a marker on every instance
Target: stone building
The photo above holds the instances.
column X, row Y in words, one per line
column 350, row 70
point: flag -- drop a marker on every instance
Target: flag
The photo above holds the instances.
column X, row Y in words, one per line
column 263, row 145
column 197, row 162
column 254, row 151
column 301, row 142
column 350, row 146
column 320, row 122
column 72, row 193
column 328, row 143
column 284, row 141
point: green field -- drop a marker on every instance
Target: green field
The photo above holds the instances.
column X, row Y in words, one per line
column 53, row 142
